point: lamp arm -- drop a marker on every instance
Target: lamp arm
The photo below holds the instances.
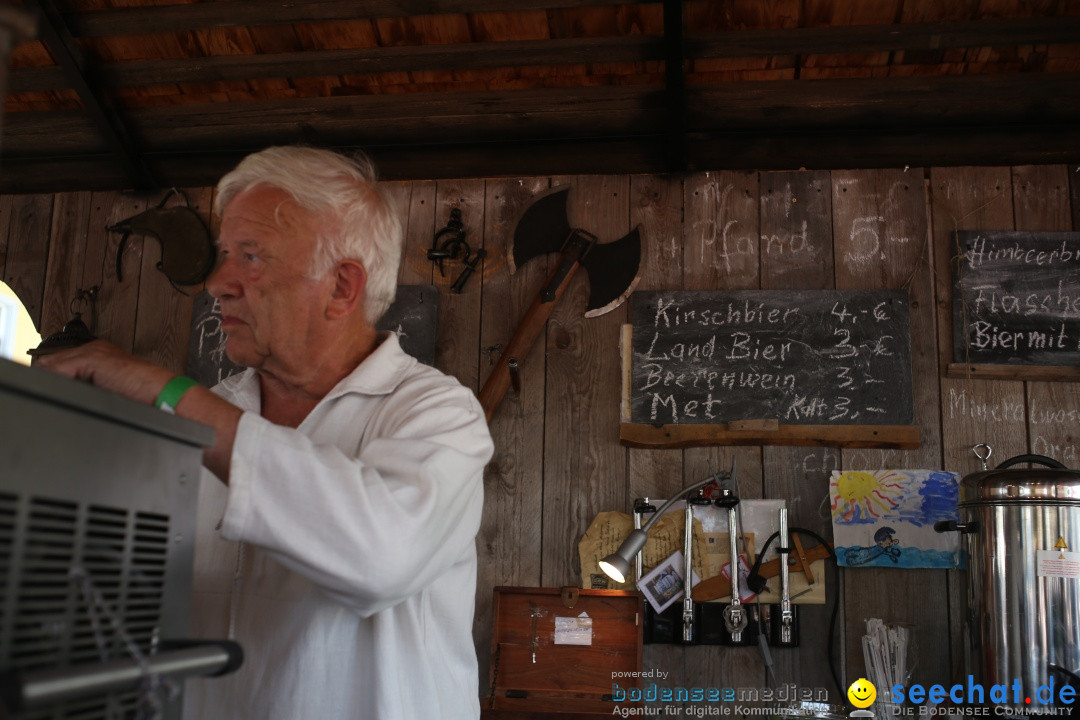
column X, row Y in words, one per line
column 679, row 495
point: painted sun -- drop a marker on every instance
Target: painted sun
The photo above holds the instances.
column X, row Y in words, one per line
column 860, row 496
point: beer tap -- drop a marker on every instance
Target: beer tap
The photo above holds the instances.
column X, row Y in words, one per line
column 735, row 618
column 688, row 555
column 787, row 611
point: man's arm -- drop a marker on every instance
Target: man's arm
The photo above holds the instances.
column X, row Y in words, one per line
column 372, row 528
column 375, row 523
column 107, row 366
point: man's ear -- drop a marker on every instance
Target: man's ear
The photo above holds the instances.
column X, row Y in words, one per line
column 350, row 279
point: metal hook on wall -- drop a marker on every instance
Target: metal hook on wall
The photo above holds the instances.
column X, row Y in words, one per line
column 449, row 243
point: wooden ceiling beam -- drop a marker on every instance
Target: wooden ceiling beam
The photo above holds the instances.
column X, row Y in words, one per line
column 906, row 102
column 984, row 145
column 65, row 51
column 636, row 48
column 385, row 119
column 737, row 43
column 999, row 146
column 837, row 106
column 145, row 20
column 1020, row 99
column 886, row 38
column 561, row 51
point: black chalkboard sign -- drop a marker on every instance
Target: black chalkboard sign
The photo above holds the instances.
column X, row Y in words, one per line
column 413, row 316
column 813, row 357
column 1016, row 298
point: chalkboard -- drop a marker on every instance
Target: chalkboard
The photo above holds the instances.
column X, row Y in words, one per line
column 413, row 316
column 1016, row 298
column 811, row 357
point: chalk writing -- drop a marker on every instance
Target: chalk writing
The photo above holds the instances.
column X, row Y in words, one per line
column 207, row 362
column 1016, row 298
column 719, row 237
column 962, row 405
column 1065, row 453
column 801, row 357
column 794, row 243
column 819, row 464
column 1054, row 416
column 865, row 241
column 869, row 233
column 873, row 458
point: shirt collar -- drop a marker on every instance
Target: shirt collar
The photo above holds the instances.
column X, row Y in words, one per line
column 378, row 374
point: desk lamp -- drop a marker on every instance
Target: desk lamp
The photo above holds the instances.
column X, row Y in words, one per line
column 617, row 565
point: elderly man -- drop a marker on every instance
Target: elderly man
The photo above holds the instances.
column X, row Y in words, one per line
column 337, row 542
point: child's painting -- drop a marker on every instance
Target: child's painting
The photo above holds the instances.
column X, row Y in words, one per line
column 885, row 518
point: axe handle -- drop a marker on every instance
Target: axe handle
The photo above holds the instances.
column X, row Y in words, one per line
column 528, row 330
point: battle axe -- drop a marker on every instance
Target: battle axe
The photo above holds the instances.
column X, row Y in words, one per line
column 612, row 269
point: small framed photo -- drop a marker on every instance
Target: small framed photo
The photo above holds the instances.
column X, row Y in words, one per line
column 663, row 585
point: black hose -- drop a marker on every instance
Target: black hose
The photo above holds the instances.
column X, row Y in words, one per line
column 757, row 583
column 830, row 646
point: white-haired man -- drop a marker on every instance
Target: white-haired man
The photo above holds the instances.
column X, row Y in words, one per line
column 337, row 542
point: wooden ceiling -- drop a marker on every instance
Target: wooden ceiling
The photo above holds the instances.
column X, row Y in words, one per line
column 155, row 93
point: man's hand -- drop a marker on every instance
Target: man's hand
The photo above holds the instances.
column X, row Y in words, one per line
column 105, row 365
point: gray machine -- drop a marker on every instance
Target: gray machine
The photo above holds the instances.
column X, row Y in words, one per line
column 97, row 521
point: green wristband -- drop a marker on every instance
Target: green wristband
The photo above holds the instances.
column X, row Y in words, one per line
column 170, row 395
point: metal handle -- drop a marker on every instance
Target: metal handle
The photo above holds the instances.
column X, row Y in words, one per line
column 688, row 572
column 44, row 688
column 944, row 526
column 787, row 613
column 1040, row 459
column 735, row 619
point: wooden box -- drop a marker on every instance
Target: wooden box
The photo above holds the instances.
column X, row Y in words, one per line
column 557, row 650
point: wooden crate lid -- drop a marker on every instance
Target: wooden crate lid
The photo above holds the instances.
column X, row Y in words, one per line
column 553, row 652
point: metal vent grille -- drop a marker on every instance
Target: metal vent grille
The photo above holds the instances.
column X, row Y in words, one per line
column 43, row 591
column 8, row 507
column 55, row 618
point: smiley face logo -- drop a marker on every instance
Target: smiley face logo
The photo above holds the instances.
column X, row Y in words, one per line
column 862, row 693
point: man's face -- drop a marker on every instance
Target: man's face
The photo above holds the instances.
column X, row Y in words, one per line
column 271, row 311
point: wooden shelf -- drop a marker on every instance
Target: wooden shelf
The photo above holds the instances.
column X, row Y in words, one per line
column 901, row 437
column 1040, row 373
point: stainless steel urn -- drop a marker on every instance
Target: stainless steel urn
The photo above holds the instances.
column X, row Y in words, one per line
column 1021, row 533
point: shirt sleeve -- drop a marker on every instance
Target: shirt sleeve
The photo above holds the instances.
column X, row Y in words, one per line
column 376, row 525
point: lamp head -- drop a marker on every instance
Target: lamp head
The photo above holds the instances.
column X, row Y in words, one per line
column 617, row 565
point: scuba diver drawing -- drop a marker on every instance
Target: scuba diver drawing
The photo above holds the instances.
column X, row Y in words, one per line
column 885, row 544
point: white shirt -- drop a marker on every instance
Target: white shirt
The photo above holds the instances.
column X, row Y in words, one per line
column 346, row 561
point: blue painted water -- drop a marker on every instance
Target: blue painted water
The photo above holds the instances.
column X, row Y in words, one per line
column 896, row 557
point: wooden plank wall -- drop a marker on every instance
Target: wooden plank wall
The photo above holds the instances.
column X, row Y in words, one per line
column 558, row 461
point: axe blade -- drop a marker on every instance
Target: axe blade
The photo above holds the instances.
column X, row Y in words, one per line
column 614, row 271
column 542, row 229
